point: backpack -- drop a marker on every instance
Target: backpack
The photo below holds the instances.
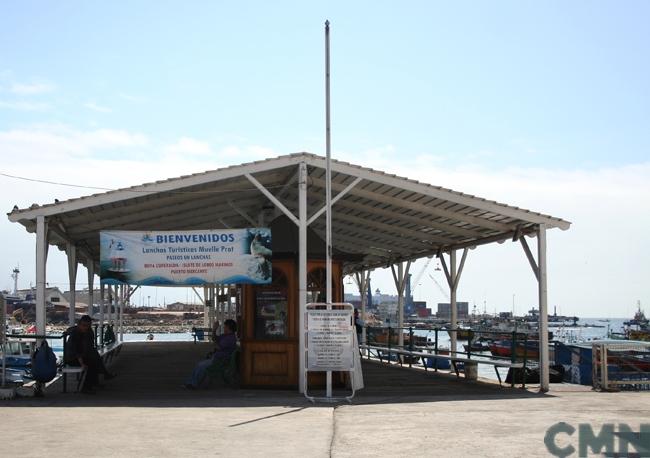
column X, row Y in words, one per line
column 44, row 363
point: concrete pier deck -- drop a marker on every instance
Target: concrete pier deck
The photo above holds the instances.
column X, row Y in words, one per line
column 401, row 412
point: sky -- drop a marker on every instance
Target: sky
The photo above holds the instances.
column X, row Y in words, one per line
column 542, row 105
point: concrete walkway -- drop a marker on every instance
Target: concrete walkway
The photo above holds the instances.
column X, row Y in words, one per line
column 144, row 412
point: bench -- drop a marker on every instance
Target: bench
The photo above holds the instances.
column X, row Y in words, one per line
column 226, row 370
column 201, row 334
column 80, row 372
column 107, row 353
column 496, row 363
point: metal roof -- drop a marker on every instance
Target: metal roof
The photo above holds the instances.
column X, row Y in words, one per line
column 383, row 217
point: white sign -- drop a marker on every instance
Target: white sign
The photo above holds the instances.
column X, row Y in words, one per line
column 330, row 340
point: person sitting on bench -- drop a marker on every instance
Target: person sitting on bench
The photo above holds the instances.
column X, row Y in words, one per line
column 80, row 351
column 225, row 345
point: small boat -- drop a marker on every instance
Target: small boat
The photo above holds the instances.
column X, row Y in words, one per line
column 477, row 346
column 504, row 348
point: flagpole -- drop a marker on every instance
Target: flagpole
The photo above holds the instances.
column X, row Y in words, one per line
column 328, row 189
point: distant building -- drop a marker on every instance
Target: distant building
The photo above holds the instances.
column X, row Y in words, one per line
column 182, row 307
column 81, row 296
column 444, row 310
column 52, row 295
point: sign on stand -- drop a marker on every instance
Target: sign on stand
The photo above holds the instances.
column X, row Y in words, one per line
column 330, row 343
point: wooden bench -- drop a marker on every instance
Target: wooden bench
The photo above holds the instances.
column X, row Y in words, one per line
column 496, row 363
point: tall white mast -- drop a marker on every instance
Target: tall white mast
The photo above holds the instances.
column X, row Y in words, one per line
column 328, row 172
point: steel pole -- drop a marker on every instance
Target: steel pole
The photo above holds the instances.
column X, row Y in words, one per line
column 328, row 191
column 302, row 271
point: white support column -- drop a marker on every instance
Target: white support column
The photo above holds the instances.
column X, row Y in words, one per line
column 453, row 279
column 102, row 306
column 91, row 286
column 206, row 309
column 231, row 315
column 543, row 310
column 400, row 305
column 121, row 319
column 71, row 251
column 361, row 279
column 41, row 263
column 220, row 305
column 400, row 284
column 302, row 271
column 453, row 304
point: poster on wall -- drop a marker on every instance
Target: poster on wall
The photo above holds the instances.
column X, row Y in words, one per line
column 186, row 258
column 271, row 314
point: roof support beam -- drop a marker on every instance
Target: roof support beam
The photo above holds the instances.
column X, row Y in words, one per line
column 287, row 186
column 334, row 200
column 131, row 292
column 530, row 257
column 417, row 236
column 273, row 199
column 147, row 215
column 437, row 192
column 435, row 211
column 242, row 213
column 422, row 222
column 198, row 295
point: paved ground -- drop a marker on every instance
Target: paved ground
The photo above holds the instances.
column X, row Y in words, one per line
column 144, row 412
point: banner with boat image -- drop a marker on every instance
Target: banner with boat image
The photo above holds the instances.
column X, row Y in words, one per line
column 186, row 258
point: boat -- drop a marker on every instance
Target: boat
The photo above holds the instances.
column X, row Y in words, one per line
column 477, row 346
column 504, row 348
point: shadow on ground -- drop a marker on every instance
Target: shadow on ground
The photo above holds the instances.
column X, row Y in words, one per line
column 151, row 374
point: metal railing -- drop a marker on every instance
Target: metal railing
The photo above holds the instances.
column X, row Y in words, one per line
column 519, row 341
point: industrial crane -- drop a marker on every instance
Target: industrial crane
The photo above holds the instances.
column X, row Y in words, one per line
column 444, row 292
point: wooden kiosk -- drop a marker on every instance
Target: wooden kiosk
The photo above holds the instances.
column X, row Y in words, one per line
column 269, row 322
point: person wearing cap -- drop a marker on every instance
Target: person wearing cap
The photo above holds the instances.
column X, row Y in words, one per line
column 80, row 351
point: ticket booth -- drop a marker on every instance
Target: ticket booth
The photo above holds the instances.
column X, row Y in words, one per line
column 269, row 337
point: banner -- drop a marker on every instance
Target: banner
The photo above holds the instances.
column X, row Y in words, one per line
column 188, row 258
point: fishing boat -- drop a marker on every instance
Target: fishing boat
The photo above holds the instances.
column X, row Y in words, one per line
column 477, row 346
column 529, row 349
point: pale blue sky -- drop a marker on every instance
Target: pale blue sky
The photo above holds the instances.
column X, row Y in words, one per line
column 516, row 83
column 544, row 105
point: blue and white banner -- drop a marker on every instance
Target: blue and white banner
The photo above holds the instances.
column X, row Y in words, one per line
column 164, row 258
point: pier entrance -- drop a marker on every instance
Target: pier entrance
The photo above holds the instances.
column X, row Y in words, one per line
column 379, row 221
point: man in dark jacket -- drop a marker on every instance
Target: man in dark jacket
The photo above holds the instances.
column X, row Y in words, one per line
column 80, row 351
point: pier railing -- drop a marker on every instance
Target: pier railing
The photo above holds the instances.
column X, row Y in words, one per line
column 416, row 344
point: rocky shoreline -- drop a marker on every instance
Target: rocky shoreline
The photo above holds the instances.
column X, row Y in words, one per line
column 141, row 329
